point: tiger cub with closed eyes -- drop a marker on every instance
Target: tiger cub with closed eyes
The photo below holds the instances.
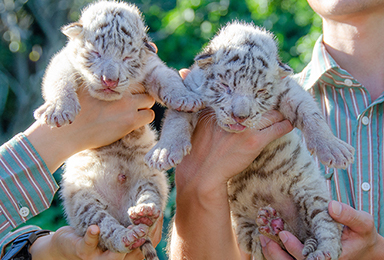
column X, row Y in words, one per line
column 108, row 54
column 239, row 77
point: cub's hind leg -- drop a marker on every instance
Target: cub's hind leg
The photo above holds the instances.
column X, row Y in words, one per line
column 150, row 202
column 248, row 235
column 86, row 208
column 324, row 241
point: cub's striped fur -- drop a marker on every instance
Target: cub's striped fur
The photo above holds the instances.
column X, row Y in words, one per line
column 240, row 77
column 109, row 53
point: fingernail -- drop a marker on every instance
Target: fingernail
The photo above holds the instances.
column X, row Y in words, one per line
column 264, row 240
column 93, row 231
column 336, row 208
column 283, row 237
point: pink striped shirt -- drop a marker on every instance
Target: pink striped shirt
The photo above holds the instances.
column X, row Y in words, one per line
column 26, row 186
column 356, row 119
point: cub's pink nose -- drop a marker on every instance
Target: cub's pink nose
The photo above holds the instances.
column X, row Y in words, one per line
column 239, row 119
column 109, row 83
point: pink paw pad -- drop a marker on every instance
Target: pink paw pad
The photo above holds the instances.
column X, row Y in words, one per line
column 134, row 237
column 269, row 222
column 144, row 214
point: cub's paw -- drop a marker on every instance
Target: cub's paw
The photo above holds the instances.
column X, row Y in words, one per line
column 189, row 102
column 57, row 115
column 165, row 156
column 320, row 255
column 332, row 152
column 144, row 214
column 323, row 249
column 270, row 224
column 128, row 239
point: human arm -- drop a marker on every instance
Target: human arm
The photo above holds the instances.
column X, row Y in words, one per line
column 202, row 228
column 99, row 123
column 360, row 239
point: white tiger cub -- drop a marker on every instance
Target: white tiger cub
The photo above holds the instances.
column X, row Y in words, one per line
column 239, row 77
column 108, row 52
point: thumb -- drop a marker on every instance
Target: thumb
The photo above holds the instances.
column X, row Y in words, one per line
column 356, row 220
column 90, row 239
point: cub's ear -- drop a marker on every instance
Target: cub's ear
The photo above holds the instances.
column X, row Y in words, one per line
column 284, row 69
column 72, row 30
column 150, row 46
column 204, row 59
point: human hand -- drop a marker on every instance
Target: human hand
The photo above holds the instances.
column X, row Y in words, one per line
column 65, row 244
column 360, row 239
column 99, row 123
column 226, row 154
column 273, row 251
column 217, row 155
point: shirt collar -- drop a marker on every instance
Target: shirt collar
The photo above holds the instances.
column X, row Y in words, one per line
column 320, row 64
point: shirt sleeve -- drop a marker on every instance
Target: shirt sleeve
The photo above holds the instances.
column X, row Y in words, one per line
column 26, row 185
column 11, row 236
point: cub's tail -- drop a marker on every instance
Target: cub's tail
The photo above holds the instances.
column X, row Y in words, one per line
column 148, row 250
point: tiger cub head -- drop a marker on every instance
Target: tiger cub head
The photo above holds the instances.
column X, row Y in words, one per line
column 110, row 47
column 242, row 75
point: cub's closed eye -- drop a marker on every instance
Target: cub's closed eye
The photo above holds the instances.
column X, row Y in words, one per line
column 227, row 88
column 96, row 54
column 127, row 58
column 262, row 91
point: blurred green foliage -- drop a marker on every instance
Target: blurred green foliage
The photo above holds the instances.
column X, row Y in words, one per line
column 30, row 35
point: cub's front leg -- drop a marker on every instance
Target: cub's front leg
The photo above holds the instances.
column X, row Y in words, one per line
column 167, row 87
column 175, row 140
column 300, row 108
column 59, row 90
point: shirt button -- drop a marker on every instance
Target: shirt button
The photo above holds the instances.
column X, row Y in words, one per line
column 365, row 120
column 365, row 186
column 24, row 211
column 348, row 82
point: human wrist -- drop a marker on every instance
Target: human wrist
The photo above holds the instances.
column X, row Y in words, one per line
column 54, row 145
column 41, row 249
column 200, row 187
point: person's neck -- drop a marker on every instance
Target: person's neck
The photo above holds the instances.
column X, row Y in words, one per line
column 357, row 46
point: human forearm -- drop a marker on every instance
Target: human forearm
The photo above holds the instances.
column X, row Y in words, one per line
column 54, row 145
column 202, row 227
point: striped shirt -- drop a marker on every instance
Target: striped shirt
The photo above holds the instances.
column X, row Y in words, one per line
column 26, row 186
column 354, row 118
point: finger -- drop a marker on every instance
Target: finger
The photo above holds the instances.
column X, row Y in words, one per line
column 272, row 250
column 292, row 244
column 135, row 88
column 276, row 130
column 144, row 101
column 184, row 72
column 357, row 221
column 273, row 115
column 90, row 239
column 155, row 233
column 144, row 116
